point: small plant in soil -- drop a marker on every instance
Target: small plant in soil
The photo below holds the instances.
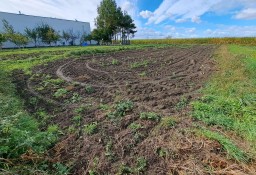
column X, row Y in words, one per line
column 182, row 103
column 77, row 120
column 168, row 122
column 139, row 64
column 124, row 169
column 61, row 169
column 60, row 93
column 141, row 165
column 81, row 109
column 91, row 128
column 71, row 129
column 108, row 152
column 134, row 126
column 104, row 107
column 75, row 98
column 89, row 89
column 123, row 107
column 150, row 116
column 162, row 152
column 142, row 74
column 115, row 62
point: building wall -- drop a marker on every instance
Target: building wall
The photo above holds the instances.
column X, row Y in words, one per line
column 20, row 22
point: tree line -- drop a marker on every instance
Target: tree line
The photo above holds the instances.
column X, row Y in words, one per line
column 42, row 33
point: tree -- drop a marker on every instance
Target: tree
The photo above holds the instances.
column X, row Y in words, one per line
column 73, row 36
column 2, row 39
column 112, row 22
column 97, row 35
column 15, row 37
column 107, row 21
column 47, row 34
column 32, row 34
column 19, row 39
column 66, row 36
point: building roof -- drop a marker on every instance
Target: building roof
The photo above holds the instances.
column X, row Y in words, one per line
column 43, row 17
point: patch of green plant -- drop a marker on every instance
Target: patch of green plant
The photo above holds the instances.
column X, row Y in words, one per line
column 71, row 129
column 150, row 116
column 141, row 165
column 182, row 103
column 124, row 169
column 19, row 130
column 80, row 109
column 77, row 119
column 91, row 128
column 232, row 150
column 108, row 151
column 89, row 89
column 61, row 169
column 229, row 101
column 135, row 126
column 168, row 122
column 142, row 74
column 139, row 64
column 115, row 62
column 75, row 98
column 162, row 152
column 104, row 107
column 60, row 93
column 121, row 108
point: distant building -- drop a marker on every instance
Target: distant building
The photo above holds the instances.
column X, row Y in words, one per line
column 21, row 21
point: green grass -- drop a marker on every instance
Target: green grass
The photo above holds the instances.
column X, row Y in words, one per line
column 232, row 150
column 230, row 97
column 19, row 130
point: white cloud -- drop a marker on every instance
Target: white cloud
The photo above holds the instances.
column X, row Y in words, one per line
column 146, row 14
column 231, row 31
column 249, row 13
column 196, row 19
column 186, row 10
column 181, row 20
column 181, row 10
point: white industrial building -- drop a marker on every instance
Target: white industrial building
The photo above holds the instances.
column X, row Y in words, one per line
column 21, row 21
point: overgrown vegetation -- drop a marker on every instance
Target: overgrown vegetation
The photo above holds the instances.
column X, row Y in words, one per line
column 229, row 98
column 19, row 130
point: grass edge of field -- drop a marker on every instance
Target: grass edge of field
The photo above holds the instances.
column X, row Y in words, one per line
column 227, row 101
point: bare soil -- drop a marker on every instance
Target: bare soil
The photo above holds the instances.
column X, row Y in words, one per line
column 163, row 81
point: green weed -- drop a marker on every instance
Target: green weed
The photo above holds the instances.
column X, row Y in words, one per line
column 89, row 89
column 91, row 128
column 115, row 62
column 60, row 93
column 150, row 116
column 134, row 126
column 232, row 150
column 139, row 64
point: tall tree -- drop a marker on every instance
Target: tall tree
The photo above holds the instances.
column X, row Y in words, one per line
column 66, row 36
column 106, row 20
column 2, row 39
column 112, row 22
column 47, row 34
column 32, row 34
column 15, row 37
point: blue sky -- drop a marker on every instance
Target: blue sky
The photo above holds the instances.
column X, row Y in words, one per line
column 156, row 18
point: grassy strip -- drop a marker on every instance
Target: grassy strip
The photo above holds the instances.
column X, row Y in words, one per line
column 230, row 98
column 232, row 150
column 19, row 131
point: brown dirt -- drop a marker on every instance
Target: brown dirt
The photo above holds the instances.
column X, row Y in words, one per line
column 168, row 80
